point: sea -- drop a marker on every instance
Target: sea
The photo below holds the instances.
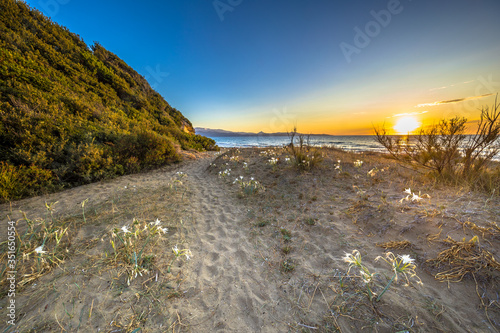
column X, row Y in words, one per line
column 358, row 143
column 352, row 143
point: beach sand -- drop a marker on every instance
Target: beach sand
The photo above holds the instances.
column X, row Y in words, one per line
column 271, row 261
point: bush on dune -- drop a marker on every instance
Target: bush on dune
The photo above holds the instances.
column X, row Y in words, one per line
column 304, row 156
column 450, row 154
column 71, row 114
column 19, row 181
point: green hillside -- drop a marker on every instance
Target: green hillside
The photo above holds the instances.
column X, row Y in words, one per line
column 71, row 115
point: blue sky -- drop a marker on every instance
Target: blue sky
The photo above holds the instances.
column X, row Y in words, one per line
column 268, row 65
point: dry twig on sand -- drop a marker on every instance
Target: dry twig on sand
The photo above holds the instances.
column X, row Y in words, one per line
column 462, row 258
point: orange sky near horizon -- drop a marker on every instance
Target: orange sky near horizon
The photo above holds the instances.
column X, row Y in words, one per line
column 349, row 120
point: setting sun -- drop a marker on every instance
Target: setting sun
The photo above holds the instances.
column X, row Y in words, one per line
column 406, row 125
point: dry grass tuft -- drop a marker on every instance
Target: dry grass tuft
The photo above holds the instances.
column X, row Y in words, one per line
column 462, row 258
column 492, row 230
column 42, row 246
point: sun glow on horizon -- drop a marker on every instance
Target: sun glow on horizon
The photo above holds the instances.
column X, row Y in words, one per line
column 406, row 125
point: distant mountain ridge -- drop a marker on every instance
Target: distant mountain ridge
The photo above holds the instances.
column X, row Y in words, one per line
column 208, row 132
column 71, row 114
column 223, row 133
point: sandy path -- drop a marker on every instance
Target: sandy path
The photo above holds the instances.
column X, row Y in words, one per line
column 226, row 288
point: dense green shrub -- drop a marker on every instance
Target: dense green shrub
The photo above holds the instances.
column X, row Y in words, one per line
column 76, row 114
column 94, row 162
column 148, row 148
column 20, row 181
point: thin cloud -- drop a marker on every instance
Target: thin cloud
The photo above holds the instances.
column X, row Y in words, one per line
column 407, row 114
column 451, row 85
column 452, row 101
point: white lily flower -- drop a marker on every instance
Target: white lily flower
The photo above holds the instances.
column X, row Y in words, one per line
column 415, row 197
column 407, row 190
column 406, row 259
column 40, row 250
column 156, row 222
column 358, row 163
column 125, row 229
column 353, row 258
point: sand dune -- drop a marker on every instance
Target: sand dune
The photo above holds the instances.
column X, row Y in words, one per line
column 267, row 262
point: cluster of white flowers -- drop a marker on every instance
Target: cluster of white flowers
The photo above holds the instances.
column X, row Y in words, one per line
column 413, row 197
column 234, row 158
column 402, row 265
column 128, row 236
column 269, row 152
column 157, row 224
column 358, row 163
column 177, row 179
column 273, row 161
column 337, row 166
column 186, row 252
column 225, row 173
column 354, row 260
column 238, row 179
column 180, row 174
column 249, row 187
